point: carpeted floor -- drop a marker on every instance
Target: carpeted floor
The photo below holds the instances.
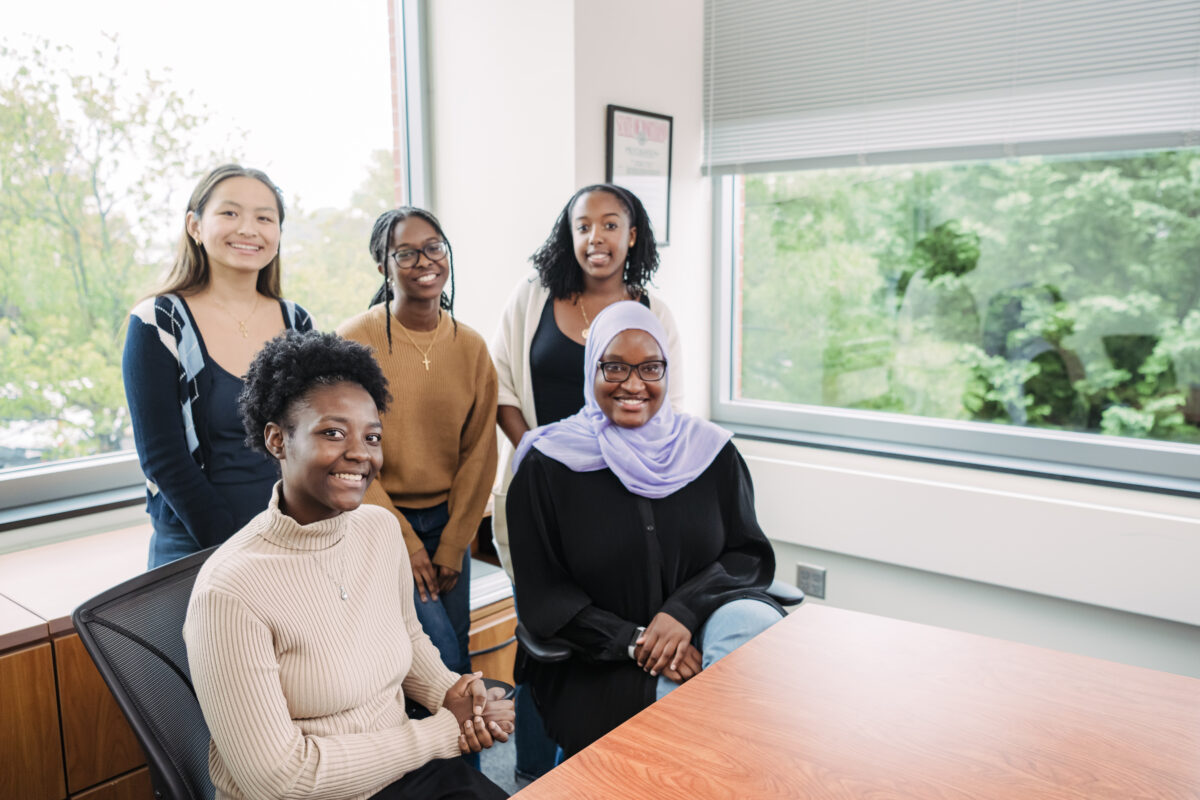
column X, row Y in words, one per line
column 499, row 763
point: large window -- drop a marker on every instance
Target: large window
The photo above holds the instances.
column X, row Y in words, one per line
column 108, row 117
column 951, row 234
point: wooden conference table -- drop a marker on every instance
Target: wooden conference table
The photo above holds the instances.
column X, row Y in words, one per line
column 838, row 704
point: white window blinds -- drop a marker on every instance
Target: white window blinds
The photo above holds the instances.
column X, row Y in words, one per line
column 829, row 82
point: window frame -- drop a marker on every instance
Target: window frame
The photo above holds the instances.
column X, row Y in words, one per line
column 1144, row 464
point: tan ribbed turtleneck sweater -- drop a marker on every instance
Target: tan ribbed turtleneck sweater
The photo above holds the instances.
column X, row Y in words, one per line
column 303, row 691
column 439, row 434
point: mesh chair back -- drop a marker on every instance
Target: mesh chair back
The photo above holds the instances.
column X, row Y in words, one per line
column 134, row 633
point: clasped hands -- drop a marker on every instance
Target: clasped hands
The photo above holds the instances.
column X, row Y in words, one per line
column 484, row 716
column 666, row 647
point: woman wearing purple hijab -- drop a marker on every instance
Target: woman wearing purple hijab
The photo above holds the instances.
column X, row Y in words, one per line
column 633, row 538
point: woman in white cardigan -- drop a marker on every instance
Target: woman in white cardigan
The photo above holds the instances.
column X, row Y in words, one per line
column 600, row 251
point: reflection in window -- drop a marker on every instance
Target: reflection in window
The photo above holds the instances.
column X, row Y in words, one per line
column 1053, row 293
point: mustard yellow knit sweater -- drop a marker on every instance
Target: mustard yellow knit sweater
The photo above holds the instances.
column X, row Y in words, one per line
column 439, row 434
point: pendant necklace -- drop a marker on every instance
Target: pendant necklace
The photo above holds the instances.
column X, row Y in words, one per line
column 587, row 323
column 424, row 353
column 339, row 583
column 241, row 322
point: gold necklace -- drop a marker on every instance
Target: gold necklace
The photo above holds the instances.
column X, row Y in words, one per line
column 587, row 323
column 424, row 353
column 241, row 322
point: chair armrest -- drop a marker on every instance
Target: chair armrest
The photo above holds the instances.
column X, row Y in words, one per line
column 492, row 683
column 547, row 650
column 785, row 593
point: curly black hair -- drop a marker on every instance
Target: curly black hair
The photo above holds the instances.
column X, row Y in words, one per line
column 381, row 239
column 555, row 259
column 290, row 365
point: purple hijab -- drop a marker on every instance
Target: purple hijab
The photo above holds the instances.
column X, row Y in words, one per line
column 654, row 460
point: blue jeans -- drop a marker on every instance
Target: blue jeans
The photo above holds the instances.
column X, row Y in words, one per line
column 727, row 629
column 447, row 620
column 170, row 541
column 537, row 753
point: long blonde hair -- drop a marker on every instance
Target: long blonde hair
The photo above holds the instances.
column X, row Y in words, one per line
column 190, row 272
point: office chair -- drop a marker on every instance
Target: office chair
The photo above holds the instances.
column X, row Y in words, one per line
column 134, row 633
column 553, row 650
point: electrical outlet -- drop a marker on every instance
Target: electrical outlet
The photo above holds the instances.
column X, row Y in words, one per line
column 811, row 579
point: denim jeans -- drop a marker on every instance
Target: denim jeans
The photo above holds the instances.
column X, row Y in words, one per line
column 727, row 629
column 447, row 620
column 170, row 541
column 537, row 753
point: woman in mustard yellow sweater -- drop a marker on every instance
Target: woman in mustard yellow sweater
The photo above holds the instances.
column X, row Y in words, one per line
column 440, row 442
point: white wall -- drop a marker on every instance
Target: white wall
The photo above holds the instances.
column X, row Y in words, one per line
column 519, row 95
column 650, row 56
column 1105, row 572
column 503, row 139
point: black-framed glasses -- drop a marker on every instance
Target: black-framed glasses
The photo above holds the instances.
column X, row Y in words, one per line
column 618, row 371
column 407, row 259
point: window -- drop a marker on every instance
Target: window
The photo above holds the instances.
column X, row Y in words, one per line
column 107, row 120
column 908, row 261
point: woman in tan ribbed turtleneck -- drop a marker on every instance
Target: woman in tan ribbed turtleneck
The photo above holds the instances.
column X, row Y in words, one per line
column 440, row 447
column 302, row 638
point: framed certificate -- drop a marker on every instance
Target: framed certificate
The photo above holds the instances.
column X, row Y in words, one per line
column 639, row 159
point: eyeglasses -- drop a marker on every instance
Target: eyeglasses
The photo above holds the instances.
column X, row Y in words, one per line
column 407, row 259
column 618, row 371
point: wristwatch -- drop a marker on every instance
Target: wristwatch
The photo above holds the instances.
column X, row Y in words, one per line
column 637, row 634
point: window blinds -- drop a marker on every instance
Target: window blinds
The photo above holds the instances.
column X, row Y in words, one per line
column 831, row 82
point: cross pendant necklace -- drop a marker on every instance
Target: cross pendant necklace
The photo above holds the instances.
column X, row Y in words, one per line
column 424, row 353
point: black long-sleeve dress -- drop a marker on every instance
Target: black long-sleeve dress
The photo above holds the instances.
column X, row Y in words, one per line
column 594, row 561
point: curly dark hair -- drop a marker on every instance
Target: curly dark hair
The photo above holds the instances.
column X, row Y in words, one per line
column 555, row 259
column 381, row 239
column 290, row 365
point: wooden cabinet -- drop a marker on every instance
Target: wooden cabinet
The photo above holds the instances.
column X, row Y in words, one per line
column 98, row 741
column 134, row 786
column 29, row 738
column 493, row 649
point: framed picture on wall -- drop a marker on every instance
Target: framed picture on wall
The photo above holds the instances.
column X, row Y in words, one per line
column 639, row 159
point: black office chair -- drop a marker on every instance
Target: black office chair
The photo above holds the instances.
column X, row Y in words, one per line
column 554, row 650
column 134, row 633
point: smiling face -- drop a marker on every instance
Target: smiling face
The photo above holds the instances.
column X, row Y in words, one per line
column 329, row 451
column 426, row 280
column 602, row 233
column 238, row 226
column 633, row 402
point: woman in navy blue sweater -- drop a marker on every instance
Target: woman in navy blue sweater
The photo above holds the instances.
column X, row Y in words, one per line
column 185, row 351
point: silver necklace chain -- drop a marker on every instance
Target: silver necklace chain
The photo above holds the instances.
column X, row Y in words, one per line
column 338, row 582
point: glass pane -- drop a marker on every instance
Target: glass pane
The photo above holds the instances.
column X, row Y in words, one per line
column 1056, row 293
column 109, row 114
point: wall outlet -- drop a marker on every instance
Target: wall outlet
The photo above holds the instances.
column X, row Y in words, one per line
column 811, row 579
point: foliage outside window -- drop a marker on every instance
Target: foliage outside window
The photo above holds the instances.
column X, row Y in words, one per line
column 1052, row 293
column 95, row 172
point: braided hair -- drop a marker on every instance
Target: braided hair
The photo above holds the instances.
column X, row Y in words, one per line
column 558, row 267
column 381, row 239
